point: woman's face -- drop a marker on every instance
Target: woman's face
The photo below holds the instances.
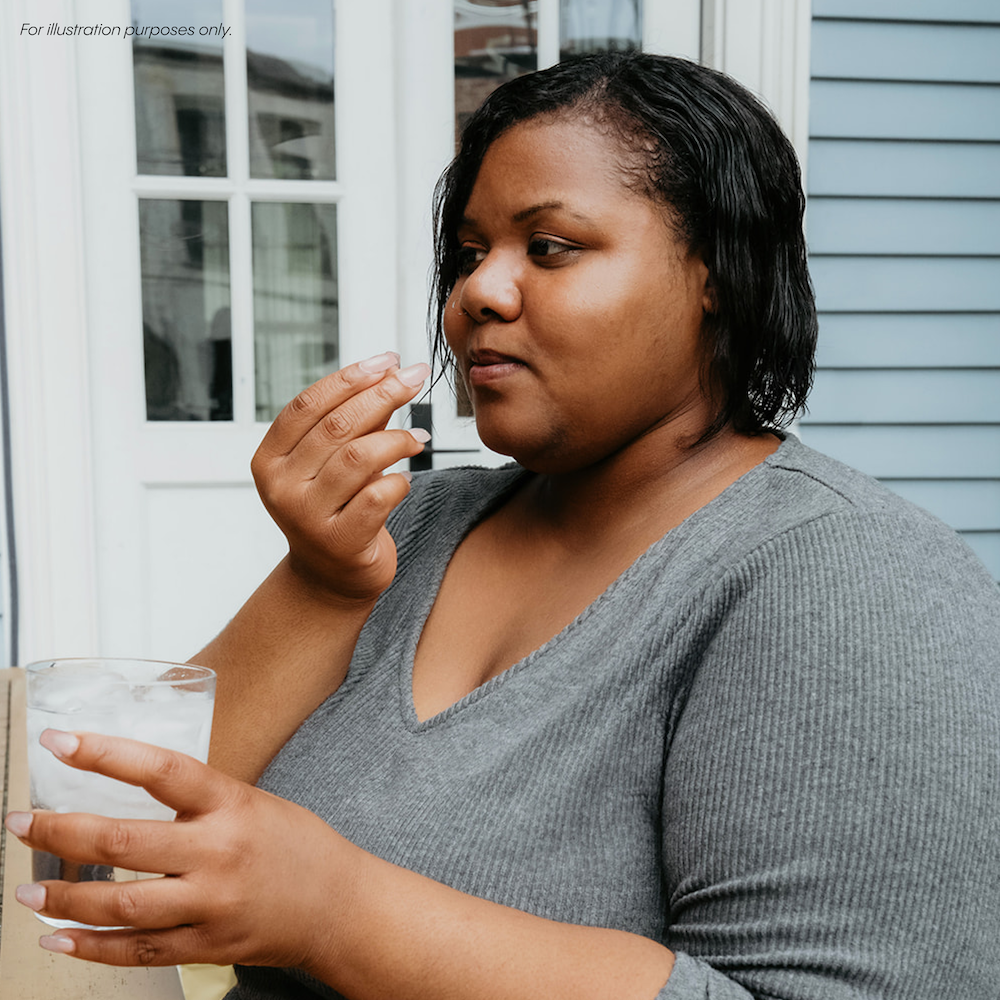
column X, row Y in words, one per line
column 575, row 321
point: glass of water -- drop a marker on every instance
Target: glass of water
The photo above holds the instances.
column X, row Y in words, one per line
column 167, row 704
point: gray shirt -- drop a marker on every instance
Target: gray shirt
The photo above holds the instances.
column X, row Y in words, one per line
column 773, row 744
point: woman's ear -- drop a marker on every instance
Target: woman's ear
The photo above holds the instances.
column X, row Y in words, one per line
column 709, row 301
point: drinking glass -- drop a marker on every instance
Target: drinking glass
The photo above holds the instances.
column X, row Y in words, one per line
column 167, row 704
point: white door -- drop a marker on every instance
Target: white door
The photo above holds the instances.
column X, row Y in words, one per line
column 239, row 219
column 189, row 237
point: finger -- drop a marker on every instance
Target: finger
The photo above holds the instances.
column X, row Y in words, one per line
column 364, row 413
column 136, row 948
column 139, row 845
column 298, row 417
column 364, row 517
column 360, row 462
column 150, row 903
column 173, row 778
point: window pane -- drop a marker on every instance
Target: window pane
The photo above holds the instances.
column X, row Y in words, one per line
column 599, row 25
column 495, row 40
column 184, row 252
column 180, row 121
column 295, row 299
column 290, row 45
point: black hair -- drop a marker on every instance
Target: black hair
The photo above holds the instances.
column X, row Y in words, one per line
column 702, row 145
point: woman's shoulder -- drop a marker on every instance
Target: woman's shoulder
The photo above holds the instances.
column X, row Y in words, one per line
column 815, row 484
column 455, row 497
column 806, row 515
column 799, row 485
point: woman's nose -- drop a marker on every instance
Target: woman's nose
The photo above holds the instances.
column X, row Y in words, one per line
column 491, row 291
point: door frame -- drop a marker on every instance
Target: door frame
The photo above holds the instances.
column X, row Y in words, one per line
column 55, row 310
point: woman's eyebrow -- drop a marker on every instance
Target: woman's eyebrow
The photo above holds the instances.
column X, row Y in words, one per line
column 527, row 213
column 546, row 206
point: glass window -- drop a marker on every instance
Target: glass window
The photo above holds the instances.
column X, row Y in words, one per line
column 290, row 69
column 184, row 253
column 295, row 299
column 599, row 25
column 495, row 41
column 180, row 120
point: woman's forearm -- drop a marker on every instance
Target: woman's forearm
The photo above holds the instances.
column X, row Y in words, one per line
column 398, row 934
column 285, row 651
column 322, row 473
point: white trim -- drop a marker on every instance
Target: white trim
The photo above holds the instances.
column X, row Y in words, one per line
column 263, row 189
column 548, row 33
column 765, row 45
column 424, row 48
column 236, row 96
column 672, row 28
column 241, row 309
column 47, row 340
column 366, row 219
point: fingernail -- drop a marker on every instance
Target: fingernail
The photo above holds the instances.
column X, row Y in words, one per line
column 379, row 363
column 31, row 896
column 414, row 375
column 419, row 434
column 57, row 943
column 18, row 823
column 407, row 475
column 60, row 743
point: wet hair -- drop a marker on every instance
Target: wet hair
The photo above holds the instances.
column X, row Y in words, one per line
column 704, row 147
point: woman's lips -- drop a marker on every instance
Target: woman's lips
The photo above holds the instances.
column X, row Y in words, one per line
column 488, row 367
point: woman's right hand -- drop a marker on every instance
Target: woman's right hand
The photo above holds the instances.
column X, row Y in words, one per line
column 320, row 474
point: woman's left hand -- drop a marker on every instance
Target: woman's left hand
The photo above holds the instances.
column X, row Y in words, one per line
column 255, row 880
column 245, row 869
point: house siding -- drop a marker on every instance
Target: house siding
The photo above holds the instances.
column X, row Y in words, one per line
column 904, row 234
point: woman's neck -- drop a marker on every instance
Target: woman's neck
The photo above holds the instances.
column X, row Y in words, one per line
column 650, row 486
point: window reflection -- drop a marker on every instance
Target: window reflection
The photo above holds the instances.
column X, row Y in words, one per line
column 295, row 299
column 180, row 120
column 495, row 41
column 599, row 25
column 184, row 254
column 290, row 71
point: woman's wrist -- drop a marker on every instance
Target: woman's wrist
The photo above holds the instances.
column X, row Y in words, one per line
column 381, row 930
column 310, row 585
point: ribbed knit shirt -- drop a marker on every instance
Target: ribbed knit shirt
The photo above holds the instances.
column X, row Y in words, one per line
column 772, row 744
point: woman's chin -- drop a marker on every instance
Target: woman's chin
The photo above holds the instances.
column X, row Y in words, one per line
column 504, row 440
column 545, row 457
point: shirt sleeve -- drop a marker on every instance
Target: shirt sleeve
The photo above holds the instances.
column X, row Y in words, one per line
column 832, row 788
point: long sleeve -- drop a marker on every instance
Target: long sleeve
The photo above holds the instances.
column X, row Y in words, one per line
column 832, row 790
column 773, row 745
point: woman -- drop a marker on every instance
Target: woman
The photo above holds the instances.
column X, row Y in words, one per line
column 674, row 707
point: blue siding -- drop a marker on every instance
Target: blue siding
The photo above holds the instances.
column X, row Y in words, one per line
column 859, row 109
column 917, row 396
column 904, row 227
column 904, row 169
column 916, row 451
column 906, row 284
column 880, row 50
column 910, row 340
column 904, row 234
column 954, row 11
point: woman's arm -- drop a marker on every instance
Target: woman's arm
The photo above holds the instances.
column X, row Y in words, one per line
column 261, row 881
column 319, row 471
column 285, row 652
column 832, row 792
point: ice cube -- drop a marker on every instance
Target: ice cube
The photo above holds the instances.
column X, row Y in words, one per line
column 71, row 690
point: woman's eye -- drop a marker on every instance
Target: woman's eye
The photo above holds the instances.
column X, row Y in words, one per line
column 539, row 246
column 468, row 258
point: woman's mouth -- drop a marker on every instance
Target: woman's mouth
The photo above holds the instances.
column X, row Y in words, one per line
column 488, row 367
